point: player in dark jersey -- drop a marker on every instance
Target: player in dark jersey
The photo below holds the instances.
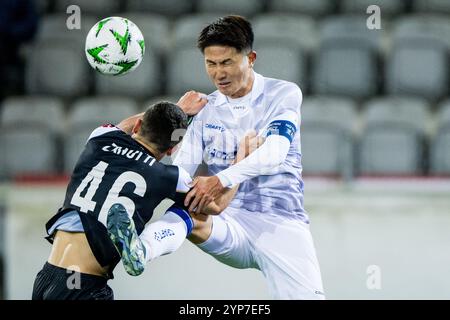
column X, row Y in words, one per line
column 118, row 169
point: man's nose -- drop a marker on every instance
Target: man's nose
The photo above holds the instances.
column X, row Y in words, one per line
column 221, row 74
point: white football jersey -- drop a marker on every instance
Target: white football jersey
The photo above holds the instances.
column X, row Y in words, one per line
column 272, row 107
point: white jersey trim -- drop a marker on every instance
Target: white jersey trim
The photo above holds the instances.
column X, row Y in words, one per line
column 184, row 180
column 102, row 130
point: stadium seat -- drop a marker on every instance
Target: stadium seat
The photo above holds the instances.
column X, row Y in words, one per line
column 32, row 110
column 308, row 7
column 327, row 136
column 346, row 62
column 245, row 8
column 155, row 29
column 101, row 8
column 53, row 28
column 420, row 47
column 58, row 68
column 34, row 124
column 165, row 7
column 87, row 114
column 440, row 143
column 282, row 60
column 148, row 103
column 298, row 29
column 187, row 28
column 36, row 155
column 186, row 71
column 387, row 7
column 434, row 6
column 392, row 142
column 422, row 26
column 143, row 82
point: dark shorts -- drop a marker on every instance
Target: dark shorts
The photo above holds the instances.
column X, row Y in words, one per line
column 55, row 283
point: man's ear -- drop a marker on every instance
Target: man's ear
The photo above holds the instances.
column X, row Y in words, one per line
column 137, row 126
column 251, row 58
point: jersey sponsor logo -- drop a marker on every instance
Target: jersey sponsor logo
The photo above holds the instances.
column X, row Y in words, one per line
column 129, row 153
column 214, row 127
column 214, row 153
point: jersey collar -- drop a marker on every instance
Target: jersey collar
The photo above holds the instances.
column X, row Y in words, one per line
column 257, row 90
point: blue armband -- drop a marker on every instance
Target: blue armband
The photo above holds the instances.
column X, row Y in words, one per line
column 184, row 215
column 283, row 128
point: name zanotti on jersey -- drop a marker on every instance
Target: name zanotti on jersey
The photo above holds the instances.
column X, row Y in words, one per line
column 129, row 153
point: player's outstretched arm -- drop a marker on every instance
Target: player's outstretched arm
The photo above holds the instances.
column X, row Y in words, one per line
column 191, row 103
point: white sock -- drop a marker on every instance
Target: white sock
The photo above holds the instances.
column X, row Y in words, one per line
column 165, row 235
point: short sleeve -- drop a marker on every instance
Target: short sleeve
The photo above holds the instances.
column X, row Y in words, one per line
column 184, row 180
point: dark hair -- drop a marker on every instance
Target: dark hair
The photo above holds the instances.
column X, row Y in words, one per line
column 233, row 31
column 159, row 123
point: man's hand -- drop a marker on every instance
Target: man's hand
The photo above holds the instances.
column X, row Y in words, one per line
column 192, row 102
column 205, row 189
column 249, row 143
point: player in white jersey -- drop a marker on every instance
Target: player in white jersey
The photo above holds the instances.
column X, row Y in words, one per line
column 265, row 226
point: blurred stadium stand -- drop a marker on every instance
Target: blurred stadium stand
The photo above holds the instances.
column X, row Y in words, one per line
column 393, row 139
column 328, row 122
column 388, row 7
column 247, row 8
column 440, row 145
column 309, row 7
column 376, row 102
column 30, row 128
column 86, row 114
column 346, row 61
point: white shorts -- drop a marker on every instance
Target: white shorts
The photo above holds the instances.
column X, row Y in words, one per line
column 281, row 247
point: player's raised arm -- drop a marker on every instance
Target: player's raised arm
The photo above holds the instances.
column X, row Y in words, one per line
column 191, row 103
column 128, row 124
column 280, row 132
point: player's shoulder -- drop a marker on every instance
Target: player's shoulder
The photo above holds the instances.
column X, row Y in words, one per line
column 104, row 129
column 213, row 96
column 277, row 87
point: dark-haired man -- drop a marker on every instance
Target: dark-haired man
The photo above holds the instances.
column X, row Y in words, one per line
column 118, row 171
column 265, row 226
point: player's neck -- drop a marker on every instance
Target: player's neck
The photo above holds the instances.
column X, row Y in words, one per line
column 149, row 146
column 246, row 90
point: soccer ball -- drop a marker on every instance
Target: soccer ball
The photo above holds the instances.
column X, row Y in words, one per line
column 114, row 46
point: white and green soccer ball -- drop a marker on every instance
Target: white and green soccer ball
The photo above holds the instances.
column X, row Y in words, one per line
column 114, row 46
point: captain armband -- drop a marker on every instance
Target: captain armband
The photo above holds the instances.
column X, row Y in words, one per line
column 283, row 128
